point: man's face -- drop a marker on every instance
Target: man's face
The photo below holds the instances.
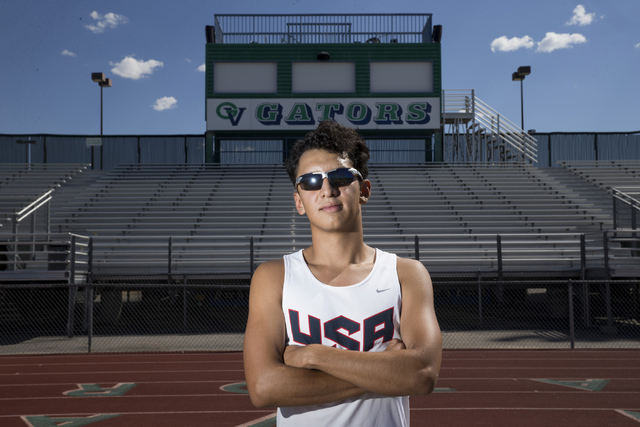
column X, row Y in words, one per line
column 330, row 208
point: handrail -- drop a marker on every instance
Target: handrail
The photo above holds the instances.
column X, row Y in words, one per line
column 30, row 211
column 624, row 256
column 33, row 206
column 59, row 252
column 465, row 102
column 182, row 254
column 624, row 195
column 525, row 144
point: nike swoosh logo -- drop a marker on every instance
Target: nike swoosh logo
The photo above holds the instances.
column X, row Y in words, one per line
column 382, row 290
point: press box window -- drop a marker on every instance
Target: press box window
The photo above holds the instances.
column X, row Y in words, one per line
column 401, row 77
column 323, row 77
column 245, row 77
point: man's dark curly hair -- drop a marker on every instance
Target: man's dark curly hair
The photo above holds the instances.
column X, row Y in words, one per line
column 334, row 138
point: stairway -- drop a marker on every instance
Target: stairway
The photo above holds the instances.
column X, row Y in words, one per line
column 478, row 133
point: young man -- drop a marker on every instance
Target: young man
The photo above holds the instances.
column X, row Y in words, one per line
column 340, row 333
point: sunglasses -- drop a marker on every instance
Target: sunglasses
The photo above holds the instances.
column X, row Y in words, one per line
column 337, row 178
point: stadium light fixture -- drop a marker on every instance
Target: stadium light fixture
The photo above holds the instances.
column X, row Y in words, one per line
column 519, row 76
column 102, row 82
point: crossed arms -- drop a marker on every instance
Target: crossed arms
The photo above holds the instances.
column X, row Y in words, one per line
column 279, row 375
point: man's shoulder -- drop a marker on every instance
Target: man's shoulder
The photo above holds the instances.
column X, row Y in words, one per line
column 412, row 271
column 410, row 265
column 270, row 269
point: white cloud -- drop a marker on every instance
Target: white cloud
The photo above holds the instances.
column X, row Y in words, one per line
column 202, row 68
column 131, row 68
column 581, row 17
column 637, row 46
column 187, row 59
column 503, row 44
column 165, row 103
column 110, row 20
column 68, row 53
column 553, row 41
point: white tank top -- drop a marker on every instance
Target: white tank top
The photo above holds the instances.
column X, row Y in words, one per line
column 360, row 317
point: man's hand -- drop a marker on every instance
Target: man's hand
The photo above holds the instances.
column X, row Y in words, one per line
column 299, row 356
column 395, row 344
column 295, row 355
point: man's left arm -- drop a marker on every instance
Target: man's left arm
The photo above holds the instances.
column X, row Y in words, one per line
column 409, row 370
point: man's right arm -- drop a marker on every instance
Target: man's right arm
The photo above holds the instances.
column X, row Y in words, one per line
column 269, row 380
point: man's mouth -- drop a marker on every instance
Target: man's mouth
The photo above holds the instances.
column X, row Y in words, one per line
column 331, row 208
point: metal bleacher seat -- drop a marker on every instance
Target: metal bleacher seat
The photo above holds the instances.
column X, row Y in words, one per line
column 211, row 211
column 607, row 174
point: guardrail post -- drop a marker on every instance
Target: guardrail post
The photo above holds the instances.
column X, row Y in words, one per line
column 499, row 252
column 480, row 297
column 607, row 300
column 605, row 247
column 615, row 210
column 585, row 286
column 251, row 255
column 88, row 301
column 583, row 256
column 417, row 247
column 170, row 254
column 88, row 296
column 571, row 322
column 90, row 256
column 184, row 303
column 500, row 284
column 73, row 289
column 32, row 255
column 14, row 227
column 47, row 213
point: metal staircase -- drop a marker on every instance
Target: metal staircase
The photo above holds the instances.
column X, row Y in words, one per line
column 476, row 132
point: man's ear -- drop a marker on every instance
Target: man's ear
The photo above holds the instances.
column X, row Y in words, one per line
column 299, row 205
column 365, row 191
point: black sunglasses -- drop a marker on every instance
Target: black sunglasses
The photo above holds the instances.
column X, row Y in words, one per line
column 337, row 178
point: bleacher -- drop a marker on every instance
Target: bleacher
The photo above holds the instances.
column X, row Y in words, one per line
column 607, row 174
column 160, row 245
column 455, row 212
column 22, row 184
column 613, row 177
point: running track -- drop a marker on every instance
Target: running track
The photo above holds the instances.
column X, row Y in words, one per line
column 476, row 388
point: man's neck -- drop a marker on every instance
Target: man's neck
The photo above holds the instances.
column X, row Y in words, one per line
column 338, row 250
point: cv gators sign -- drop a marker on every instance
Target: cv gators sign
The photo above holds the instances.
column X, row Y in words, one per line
column 290, row 114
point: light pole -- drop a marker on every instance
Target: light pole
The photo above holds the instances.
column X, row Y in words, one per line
column 519, row 76
column 103, row 82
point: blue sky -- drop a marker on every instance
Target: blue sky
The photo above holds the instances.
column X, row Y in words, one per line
column 584, row 56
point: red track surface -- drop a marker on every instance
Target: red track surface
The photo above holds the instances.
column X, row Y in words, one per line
column 476, row 388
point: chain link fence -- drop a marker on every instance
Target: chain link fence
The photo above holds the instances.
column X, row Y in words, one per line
column 208, row 313
column 538, row 313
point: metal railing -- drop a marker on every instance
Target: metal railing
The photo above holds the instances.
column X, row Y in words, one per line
column 170, row 294
column 44, row 257
column 495, row 254
column 626, row 207
column 30, row 211
column 622, row 252
column 323, row 28
column 478, row 131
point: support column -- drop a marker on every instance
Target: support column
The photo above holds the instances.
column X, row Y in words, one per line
column 438, row 149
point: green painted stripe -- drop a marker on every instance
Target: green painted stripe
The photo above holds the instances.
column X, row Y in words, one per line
column 589, row 385
column 44, row 421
